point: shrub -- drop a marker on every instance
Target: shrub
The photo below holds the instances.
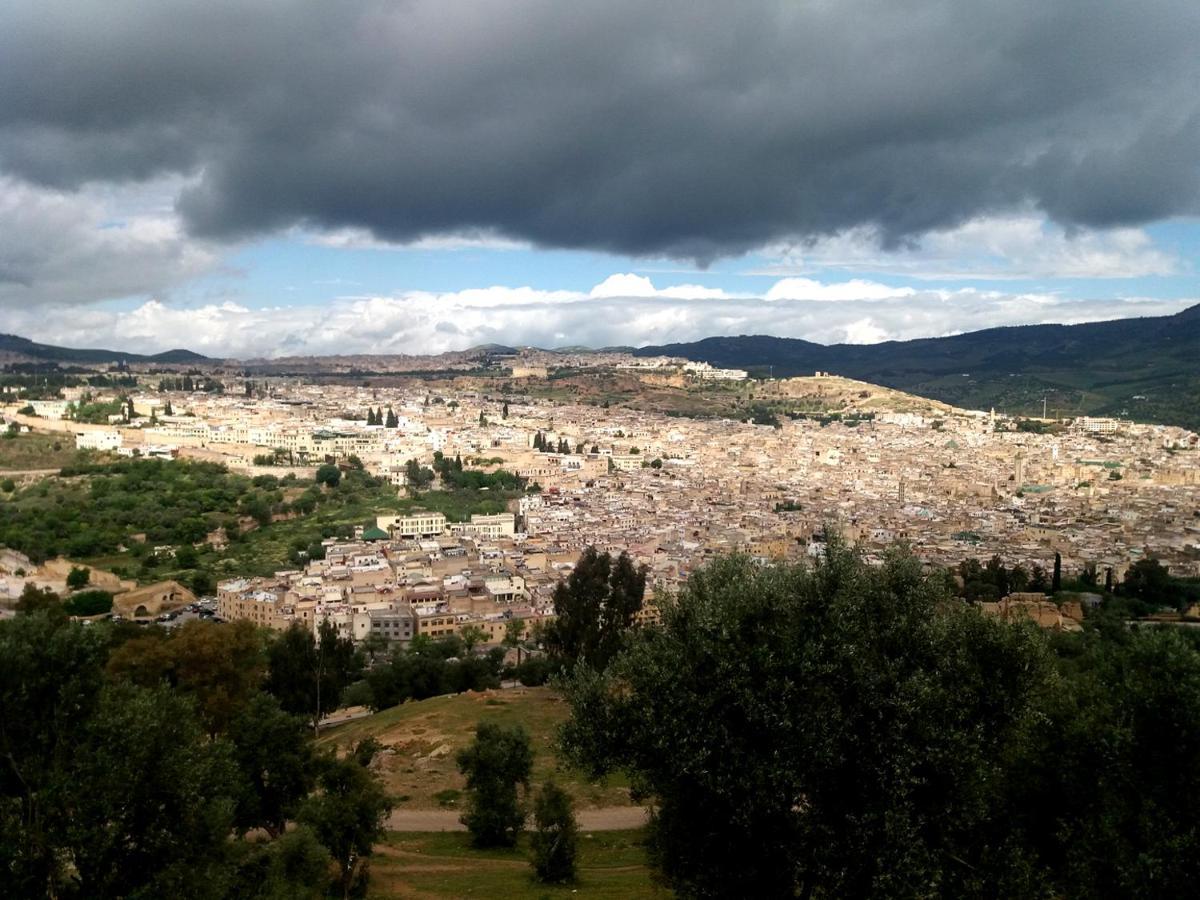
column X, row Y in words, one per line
column 89, row 603
column 554, row 837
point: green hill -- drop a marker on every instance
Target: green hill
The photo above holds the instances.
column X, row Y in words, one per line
column 1142, row 368
column 25, row 350
column 420, row 739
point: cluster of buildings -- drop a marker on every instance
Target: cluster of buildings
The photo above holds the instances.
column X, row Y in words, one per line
column 394, row 588
column 672, row 491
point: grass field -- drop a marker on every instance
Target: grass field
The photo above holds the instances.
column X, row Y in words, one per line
column 37, row 451
column 612, row 864
column 421, row 738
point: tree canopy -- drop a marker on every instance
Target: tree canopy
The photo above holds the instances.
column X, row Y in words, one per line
column 594, row 607
column 850, row 730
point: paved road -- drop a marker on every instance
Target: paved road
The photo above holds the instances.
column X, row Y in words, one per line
column 611, row 818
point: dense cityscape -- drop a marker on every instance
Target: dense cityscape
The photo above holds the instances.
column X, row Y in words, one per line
column 599, row 450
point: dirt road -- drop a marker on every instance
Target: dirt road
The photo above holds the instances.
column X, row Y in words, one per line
column 611, row 818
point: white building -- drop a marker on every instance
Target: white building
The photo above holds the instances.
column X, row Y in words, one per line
column 108, row 439
column 493, row 526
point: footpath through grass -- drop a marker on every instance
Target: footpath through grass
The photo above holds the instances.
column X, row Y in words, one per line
column 612, row 864
column 420, row 739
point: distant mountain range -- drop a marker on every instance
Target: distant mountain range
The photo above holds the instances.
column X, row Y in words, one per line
column 19, row 349
column 1144, row 368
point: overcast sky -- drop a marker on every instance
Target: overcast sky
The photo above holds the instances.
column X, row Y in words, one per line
column 263, row 177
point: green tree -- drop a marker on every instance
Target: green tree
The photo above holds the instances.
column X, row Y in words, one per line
column 34, row 599
column 1148, row 581
column 555, row 835
column 1056, row 580
column 273, row 751
column 149, row 806
column 392, row 420
column 50, row 679
column 1038, row 581
column 1121, row 819
column 220, row 666
column 186, row 557
column 495, row 764
column 329, row 475
column 472, row 636
column 292, row 867
column 514, row 634
column 89, row 603
column 347, row 815
column 308, row 676
column 78, row 577
column 837, row 730
column 504, row 410
column 594, row 608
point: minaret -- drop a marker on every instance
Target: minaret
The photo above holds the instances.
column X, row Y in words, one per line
column 900, row 491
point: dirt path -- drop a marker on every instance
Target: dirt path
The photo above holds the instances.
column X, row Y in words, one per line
column 611, row 818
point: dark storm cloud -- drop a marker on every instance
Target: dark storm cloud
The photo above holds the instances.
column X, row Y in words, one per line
column 691, row 129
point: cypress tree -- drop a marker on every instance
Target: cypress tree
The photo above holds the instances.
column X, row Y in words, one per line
column 1056, row 580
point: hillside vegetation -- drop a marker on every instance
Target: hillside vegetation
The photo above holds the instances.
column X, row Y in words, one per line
column 1142, row 368
column 420, row 739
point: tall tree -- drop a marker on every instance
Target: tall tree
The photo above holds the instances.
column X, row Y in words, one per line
column 555, row 835
column 149, row 809
column 837, row 730
column 347, row 815
column 273, row 751
column 392, row 420
column 1056, row 580
column 308, row 676
column 594, row 607
column 50, row 679
column 495, row 764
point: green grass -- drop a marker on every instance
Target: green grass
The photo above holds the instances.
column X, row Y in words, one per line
column 38, row 451
column 424, row 736
column 612, row 864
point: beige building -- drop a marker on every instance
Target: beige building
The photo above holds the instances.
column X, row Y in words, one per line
column 422, row 524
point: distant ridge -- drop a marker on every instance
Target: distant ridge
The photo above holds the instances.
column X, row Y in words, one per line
column 1144, row 368
column 15, row 348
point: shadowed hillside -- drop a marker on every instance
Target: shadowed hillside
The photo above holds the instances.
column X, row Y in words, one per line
column 1144, row 368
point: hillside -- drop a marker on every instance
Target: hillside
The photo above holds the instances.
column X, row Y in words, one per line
column 19, row 349
column 420, row 739
column 1142, row 368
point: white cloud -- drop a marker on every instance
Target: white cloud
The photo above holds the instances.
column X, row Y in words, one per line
column 425, row 322
column 102, row 243
column 856, row 289
column 988, row 247
column 626, row 284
